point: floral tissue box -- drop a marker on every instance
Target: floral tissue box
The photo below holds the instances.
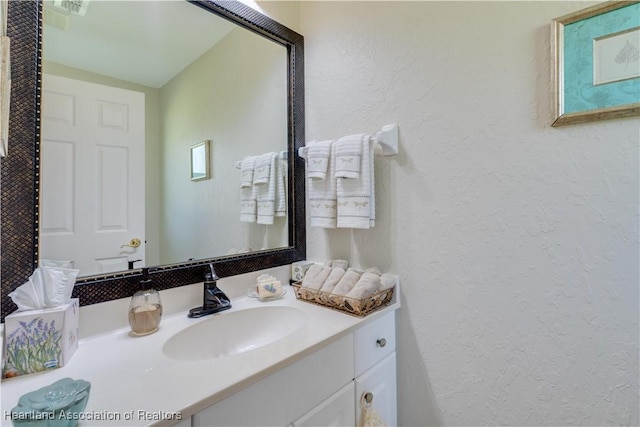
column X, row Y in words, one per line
column 38, row 340
column 299, row 269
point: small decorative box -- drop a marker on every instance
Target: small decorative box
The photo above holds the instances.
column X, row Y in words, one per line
column 299, row 269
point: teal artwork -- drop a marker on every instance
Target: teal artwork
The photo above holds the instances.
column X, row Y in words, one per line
column 602, row 60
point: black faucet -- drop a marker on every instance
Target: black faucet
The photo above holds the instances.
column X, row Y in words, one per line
column 213, row 299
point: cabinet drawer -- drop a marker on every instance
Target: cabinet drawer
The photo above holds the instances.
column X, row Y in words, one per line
column 374, row 341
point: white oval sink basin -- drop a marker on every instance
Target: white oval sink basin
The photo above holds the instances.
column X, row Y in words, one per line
column 231, row 333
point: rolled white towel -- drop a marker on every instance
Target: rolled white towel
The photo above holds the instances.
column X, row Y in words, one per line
column 347, row 282
column 315, row 277
column 368, row 285
column 387, row 281
column 342, row 263
column 374, row 270
column 312, row 272
column 333, row 279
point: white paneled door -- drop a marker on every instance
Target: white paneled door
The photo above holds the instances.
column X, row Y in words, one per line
column 92, row 168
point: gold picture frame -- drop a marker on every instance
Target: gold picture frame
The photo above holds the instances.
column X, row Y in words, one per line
column 582, row 42
column 200, row 168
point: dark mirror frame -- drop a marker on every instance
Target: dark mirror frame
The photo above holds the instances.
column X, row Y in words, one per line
column 20, row 170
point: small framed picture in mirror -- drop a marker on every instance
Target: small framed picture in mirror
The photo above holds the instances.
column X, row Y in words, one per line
column 200, row 161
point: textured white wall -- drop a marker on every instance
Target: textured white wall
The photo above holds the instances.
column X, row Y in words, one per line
column 516, row 243
column 234, row 95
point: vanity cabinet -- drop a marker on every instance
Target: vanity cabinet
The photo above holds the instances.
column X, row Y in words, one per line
column 322, row 389
column 375, row 367
column 287, row 394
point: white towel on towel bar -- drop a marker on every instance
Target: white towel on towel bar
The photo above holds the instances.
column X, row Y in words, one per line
column 280, row 208
column 248, row 204
column 356, row 197
column 271, row 198
column 322, row 194
column 247, row 166
column 262, row 169
column 348, row 154
column 318, row 159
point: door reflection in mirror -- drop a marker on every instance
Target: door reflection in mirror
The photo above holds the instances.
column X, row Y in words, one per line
column 93, row 186
column 230, row 87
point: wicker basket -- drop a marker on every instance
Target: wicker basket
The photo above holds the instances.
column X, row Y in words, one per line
column 342, row 303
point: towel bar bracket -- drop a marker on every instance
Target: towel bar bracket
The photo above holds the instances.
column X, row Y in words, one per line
column 387, row 140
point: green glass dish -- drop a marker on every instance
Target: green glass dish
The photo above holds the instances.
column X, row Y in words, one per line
column 59, row 404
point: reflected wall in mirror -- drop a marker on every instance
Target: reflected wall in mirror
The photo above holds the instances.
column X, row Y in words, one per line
column 21, row 203
column 119, row 171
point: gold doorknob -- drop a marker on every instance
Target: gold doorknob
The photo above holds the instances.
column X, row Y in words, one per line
column 133, row 243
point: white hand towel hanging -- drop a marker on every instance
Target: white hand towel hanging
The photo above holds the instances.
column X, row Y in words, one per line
column 322, row 194
column 248, row 205
column 348, row 156
column 262, row 169
column 356, row 196
column 280, row 208
column 266, row 194
column 247, row 166
column 318, row 159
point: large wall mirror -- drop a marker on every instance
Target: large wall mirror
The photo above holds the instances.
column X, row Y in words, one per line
column 140, row 83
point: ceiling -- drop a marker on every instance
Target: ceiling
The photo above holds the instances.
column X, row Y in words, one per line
column 146, row 41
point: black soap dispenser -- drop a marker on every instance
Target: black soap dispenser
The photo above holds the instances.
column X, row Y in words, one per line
column 145, row 310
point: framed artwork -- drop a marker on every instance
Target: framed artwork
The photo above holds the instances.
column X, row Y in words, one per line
column 200, row 161
column 597, row 63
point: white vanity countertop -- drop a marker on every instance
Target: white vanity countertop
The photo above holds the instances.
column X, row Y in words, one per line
column 133, row 383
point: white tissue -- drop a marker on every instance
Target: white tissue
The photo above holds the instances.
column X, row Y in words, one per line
column 47, row 287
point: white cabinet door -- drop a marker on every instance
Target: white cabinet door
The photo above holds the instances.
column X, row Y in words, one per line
column 380, row 380
column 337, row 411
column 285, row 395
